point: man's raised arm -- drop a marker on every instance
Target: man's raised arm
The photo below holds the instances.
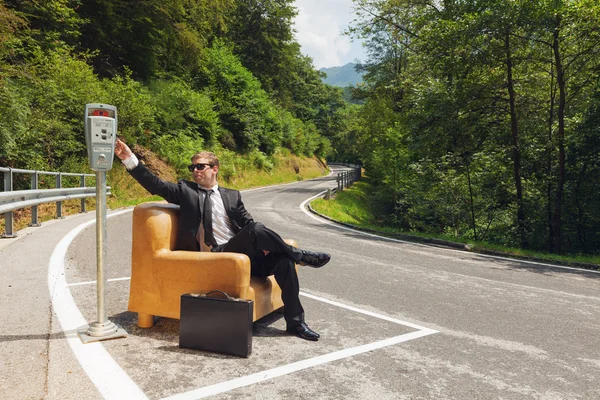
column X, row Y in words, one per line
column 152, row 183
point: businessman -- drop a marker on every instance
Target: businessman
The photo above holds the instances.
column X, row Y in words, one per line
column 213, row 218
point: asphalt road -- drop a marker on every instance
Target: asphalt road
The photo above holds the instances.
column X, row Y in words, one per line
column 398, row 321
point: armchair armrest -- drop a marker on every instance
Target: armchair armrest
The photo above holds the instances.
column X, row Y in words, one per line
column 205, row 271
column 158, row 280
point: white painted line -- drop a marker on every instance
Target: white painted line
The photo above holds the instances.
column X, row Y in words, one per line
column 325, row 221
column 94, row 282
column 369, row 313
column 295, row 367
column 108, row 377
column 252, row 379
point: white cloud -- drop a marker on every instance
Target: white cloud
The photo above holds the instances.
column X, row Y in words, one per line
column 319, row 31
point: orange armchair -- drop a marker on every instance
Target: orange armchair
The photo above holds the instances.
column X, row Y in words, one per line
column 160, row 275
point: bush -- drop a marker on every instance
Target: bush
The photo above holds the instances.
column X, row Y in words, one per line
column 135, row 111
column 244, row 108
column 181, row 109
column 178, row 149
column 51, row 122
column 14, row 119
column 261, row 161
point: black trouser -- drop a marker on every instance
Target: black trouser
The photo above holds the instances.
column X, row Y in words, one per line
column 280, row 261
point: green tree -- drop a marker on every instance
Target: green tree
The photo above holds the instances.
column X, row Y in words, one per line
column 52, row 23
column 124, row 34
column 469, row 84
column 261, row 31
column 244, row 108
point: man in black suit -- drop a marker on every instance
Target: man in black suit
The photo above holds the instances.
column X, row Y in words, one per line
column 213, row 218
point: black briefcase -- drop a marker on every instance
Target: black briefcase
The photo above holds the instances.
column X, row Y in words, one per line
column 220, row 324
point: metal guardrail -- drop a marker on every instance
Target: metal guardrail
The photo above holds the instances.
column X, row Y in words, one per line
column 11, row 200
column 346, row 178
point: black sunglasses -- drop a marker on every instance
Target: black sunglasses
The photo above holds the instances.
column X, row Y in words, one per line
column 199, row 167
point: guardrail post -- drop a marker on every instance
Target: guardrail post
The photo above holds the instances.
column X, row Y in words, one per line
column 83, row 209
column 8, row 217
column 59, row 210
column 34, row 209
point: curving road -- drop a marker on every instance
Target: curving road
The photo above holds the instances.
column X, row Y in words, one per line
column 398, row 321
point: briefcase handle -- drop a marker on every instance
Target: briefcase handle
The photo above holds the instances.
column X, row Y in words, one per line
column 219, row 291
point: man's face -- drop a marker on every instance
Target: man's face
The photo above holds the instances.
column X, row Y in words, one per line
column 208, row 176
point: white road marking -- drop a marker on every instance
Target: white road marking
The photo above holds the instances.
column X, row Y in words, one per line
column 252, row 379
column 108, row 377
column 94, row 282
column 369, row 313
column 325, row 221
column 113, row 382
column 304, row 364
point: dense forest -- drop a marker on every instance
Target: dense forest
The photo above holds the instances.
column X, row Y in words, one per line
column 475, row 118
column 225, row 75
column 482, row 118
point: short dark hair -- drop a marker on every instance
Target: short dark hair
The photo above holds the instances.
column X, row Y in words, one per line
column 210, row 157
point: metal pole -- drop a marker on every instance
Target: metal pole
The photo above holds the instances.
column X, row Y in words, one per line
column 83, row 200
column 8, row 217
column 101, row 242
column 34, row 209
column 59, row 210
column 103, row 328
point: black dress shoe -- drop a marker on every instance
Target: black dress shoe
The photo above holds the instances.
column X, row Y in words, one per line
column 304, row 332
column 315, row 260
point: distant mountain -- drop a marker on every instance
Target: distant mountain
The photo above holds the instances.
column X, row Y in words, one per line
column 342, row 76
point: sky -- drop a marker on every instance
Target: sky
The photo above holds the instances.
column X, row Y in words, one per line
column 319, row 30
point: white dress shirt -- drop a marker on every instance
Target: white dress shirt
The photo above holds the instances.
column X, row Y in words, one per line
column 221, row 224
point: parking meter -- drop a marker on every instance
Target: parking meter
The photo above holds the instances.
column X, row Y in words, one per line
column 100, row 135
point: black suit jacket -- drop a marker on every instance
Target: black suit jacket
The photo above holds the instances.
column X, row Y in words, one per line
column 187, row 195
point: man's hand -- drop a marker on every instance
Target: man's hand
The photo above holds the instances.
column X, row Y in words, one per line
column 122, row 150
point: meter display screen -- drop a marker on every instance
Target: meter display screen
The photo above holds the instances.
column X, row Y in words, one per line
column 94, row 112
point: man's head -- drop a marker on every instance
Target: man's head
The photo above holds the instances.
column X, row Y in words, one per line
column 204, row 168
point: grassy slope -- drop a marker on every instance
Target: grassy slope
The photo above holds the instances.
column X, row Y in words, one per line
column 352, row 207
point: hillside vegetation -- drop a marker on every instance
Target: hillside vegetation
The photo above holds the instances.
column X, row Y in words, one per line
column 219, row 75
